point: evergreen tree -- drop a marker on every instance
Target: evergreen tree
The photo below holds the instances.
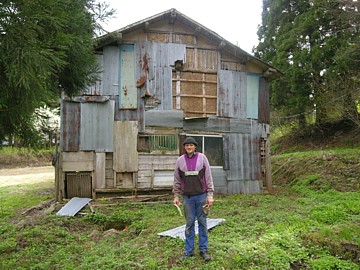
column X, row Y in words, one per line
column 310, row 41
column 46, row 47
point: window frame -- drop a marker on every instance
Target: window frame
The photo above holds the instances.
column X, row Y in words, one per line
column 203, row 144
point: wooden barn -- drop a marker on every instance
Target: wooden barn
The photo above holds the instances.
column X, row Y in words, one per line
column 164, row 78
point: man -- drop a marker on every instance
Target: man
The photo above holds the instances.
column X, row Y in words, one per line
column 193, row 181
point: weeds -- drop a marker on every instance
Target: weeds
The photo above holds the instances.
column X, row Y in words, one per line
column 308, row 224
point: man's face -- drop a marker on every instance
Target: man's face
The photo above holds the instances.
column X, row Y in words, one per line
column 190, row 148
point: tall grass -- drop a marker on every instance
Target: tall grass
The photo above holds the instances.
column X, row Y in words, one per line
column 14, row 156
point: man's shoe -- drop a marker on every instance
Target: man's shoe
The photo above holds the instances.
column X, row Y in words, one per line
column 205, row 255
column 185, row 256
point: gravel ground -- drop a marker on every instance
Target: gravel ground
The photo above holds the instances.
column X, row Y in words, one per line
column 26, row 175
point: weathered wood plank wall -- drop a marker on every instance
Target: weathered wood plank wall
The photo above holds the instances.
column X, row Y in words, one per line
column 149, row 163
column 125, row 144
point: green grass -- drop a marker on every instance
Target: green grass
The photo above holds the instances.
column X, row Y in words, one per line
column 312, row 221
column 301, row 228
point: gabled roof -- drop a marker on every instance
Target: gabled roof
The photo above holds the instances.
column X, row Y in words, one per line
column 171, row 15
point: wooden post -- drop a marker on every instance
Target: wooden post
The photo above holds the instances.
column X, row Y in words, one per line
column 268, row 179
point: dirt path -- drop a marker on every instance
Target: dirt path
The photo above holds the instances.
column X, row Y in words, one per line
column 26, row 175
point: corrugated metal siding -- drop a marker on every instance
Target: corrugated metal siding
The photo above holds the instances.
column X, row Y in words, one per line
column 154, row 61
column 97, row 124
column 132, row 115
column 215, row 124
column 252, row 96
column 162, row 86
column 244, row 187
column 165, row 54
column 219, row 177
column 264, row 106
column 70, row 126
column 111, row 70
column 164, row 118
column 242, row 159
column 232, row 94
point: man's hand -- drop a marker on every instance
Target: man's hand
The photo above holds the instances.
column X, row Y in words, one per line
column 176, row 201
column 210, row 201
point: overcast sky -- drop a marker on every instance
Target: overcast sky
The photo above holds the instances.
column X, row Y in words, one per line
column 235, row 20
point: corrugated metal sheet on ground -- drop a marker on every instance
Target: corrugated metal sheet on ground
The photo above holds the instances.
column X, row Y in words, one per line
column 180, row 231
column 73, row 206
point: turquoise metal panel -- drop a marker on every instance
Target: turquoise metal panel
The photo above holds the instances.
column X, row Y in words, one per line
column 252, row 96
column 127, row 87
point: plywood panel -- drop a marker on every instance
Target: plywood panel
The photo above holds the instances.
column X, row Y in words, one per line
column 84, row 166
column 125, row 146
column 77, row 161
column 125, row 180
column 100, row 170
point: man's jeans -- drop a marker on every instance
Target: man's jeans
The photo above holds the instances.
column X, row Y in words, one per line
column 193, row 209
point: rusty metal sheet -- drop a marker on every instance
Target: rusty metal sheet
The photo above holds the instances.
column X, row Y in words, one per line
column 70, row 126
column 97, row 124
column 232, row 94
column 264, row 106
